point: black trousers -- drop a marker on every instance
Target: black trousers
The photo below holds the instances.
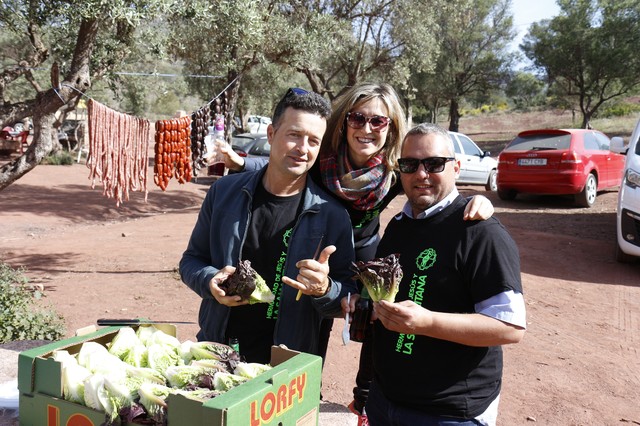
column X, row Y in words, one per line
column 365, row 365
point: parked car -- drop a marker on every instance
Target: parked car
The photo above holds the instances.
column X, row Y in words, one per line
column 559, row 161
column 251, row 145
column 69, row 133
column 257, row 123
column 628, row 211
column 13, row 138
column 477, row 167
column 22, row 126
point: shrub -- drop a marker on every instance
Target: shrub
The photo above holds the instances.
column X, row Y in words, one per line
column 21, row 317
column 59, row 158
column 617, row 110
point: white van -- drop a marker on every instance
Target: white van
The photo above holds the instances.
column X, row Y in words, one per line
column 628, row 212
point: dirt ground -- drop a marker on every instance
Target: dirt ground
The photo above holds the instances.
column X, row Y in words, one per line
column 579, row 363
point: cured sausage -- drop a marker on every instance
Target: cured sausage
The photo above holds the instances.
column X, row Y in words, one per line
column 172, row 151
column 118, row 145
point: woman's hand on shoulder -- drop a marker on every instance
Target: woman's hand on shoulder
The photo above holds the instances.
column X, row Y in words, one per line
column 479, row 208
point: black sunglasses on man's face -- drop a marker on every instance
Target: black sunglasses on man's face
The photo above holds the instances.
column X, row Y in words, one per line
column 431, row 164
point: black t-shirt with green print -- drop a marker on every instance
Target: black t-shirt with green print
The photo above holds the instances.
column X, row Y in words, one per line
column 449, row 265
column 272, row 219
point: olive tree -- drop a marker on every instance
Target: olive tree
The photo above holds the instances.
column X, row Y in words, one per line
column 260, row 47
column 588, row 52
column 346, row 42
column 76, row 42
column 472, row 36
column 525, row 89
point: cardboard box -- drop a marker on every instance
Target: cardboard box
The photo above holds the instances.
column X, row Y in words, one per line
column 288, row 394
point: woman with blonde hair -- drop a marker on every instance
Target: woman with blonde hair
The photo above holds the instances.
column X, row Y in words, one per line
column 357, row 164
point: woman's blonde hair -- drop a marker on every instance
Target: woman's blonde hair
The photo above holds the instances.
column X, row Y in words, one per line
column 355, row 96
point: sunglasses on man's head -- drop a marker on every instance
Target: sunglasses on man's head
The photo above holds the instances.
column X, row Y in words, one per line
column 431, row 164
column 355, row 120
column 296, row 91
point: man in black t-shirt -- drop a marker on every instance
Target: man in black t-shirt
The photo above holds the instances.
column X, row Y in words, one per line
column 437, row 350
column 275, row 218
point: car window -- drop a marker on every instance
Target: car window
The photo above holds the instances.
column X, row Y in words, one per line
column 261, row 147
column 242, row 142
column 70, row 125
column 603, row 141
column 539, row 141
column 469, row 147
column 590, row 142
column 456, row 145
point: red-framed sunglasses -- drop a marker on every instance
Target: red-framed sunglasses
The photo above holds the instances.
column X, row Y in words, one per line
column 356, row 120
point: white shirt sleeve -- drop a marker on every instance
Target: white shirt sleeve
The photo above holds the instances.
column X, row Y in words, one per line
column 507, row 307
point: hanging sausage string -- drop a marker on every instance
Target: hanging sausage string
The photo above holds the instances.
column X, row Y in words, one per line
column 118, row 145
column 201, row 120
column 172, row 151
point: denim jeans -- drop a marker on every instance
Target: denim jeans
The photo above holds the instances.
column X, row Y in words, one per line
column 382, row 412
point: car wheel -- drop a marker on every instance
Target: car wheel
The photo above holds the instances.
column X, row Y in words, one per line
column 18, row 127
column 492, row 182
column 507, row 194
column 587, row 197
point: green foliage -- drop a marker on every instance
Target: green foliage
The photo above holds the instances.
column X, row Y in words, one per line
column 21, row 317
column 620, row 109
column 59, row 158
column 484, row 109
column 588, row 52
column 166, row 104
column 472, row 37
column 216, row 38
column 525, row 90
column 135, row 96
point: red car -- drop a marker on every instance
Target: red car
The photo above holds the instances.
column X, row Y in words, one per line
column 559, row 161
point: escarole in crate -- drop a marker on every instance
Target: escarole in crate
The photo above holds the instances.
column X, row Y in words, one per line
column 100, row 377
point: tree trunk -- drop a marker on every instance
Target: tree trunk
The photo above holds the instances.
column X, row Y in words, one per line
column 47, row 103
column 408, row 107
column 42, row 132
column 454, row 115
column 433, row 112
column 586, row 119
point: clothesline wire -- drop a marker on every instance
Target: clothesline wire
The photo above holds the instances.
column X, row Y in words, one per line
column 223, row 90
column 90, row 98
column 144, row 74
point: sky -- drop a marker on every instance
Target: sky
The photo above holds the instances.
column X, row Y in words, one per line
column 526, row 12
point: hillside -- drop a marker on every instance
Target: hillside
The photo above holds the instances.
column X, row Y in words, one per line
column 494, row 130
